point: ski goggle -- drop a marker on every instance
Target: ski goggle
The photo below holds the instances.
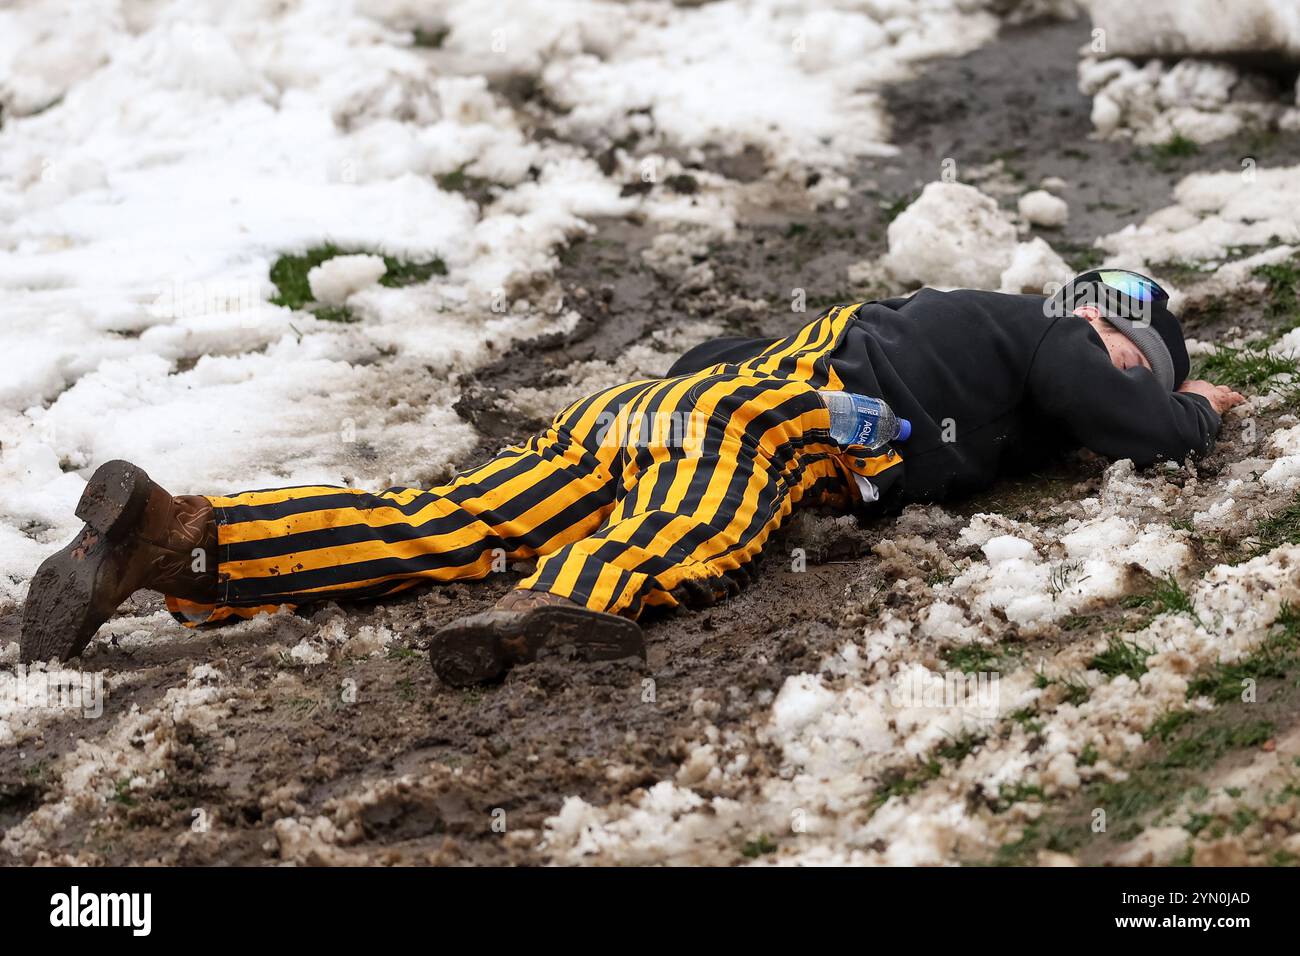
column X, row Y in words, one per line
column 1133, row 285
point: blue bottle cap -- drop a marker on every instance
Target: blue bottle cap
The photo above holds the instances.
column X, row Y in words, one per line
column 904, row 430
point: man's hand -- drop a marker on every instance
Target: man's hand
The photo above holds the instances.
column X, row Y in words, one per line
column 1221, row 397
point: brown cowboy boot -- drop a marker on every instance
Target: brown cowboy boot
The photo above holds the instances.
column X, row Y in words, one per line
column 136, row 536
column 484, row 646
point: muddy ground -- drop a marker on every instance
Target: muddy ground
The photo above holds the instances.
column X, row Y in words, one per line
column 480, row 770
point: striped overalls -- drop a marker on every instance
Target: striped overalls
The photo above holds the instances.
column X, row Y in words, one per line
column 651, row 493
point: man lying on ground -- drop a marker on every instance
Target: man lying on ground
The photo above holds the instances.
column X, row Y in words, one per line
column 665, row 491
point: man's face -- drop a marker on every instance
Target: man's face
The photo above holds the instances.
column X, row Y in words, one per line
column 1123, row 353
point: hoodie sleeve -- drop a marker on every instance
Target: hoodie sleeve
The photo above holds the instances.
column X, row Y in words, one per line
column 1117, row 414
column 717, row 352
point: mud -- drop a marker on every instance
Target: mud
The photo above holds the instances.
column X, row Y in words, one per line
column 368, row 758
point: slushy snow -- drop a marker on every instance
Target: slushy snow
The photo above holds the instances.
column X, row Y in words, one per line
column 1041, row 208
column 335, row 280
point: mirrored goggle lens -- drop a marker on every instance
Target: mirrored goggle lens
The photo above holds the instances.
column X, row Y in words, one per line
column 1133, row 285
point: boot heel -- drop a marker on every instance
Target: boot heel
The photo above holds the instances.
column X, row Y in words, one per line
column 115, row 498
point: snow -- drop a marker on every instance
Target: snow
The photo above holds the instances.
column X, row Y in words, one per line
column 1139, row 93
column 1041, row 208
column 335, row 280
column 1007, row 547
column 952, row 236
column 1034, row 267
column 1212, row 214
column 882, row 703
column 1172, row 28
column 157, row 159
column 143, row 212
column 718, row 72
column 955, row 236
column 139, row 748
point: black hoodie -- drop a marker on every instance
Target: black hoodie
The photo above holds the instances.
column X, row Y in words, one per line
column 992, row 385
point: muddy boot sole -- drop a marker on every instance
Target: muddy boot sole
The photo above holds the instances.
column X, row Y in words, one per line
column 115, row 498
column 61, row 614
column 484, row 646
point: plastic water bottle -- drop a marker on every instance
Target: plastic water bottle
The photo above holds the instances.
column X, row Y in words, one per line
column 862, row 420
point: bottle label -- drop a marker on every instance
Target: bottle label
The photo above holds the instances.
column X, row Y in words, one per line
column 868, row 410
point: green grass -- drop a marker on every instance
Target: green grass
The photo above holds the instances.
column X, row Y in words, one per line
column 959, row 748
column 1165, row 596
column 902, row 782
column 1192, row 742
column 1168, row 724
column 1080, row 258
column 1159, row 782
column 1027, row 717
column 757, row 847
column 1020, row 850
column 1198, row 750
column 1276, row 656
column 122, row 792
column 971, row 658
column 1176, row 147
column 1121, row 657
column 1283, row 281
column 1147, row 788
column 1170, row 597
column 289, row 276
column 1076, row 691
column 1019, row 793
column 459, row 181
column 1278, row 529
column 1250, row 368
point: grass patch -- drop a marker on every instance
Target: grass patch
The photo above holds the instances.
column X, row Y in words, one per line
column 1008, row 796
column 1169, row 723
column 1081, row 258
column 971, row 658
column 959, row 748
column 1175, row 148
column 1283, row 281
column 1170, row 597
column 1166, row 596
column 1076, row 691
column 1027, row 717
column 1156, row 784
column 1250, row 368
column 903, row 783
column 759, row 846
column 459, row 181
column 289, row 276
column 1198, row 750
column 1276, row 656
column 1278, row 529
column 1121, row 657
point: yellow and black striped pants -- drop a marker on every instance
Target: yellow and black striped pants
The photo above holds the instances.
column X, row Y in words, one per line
column 652, row 492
